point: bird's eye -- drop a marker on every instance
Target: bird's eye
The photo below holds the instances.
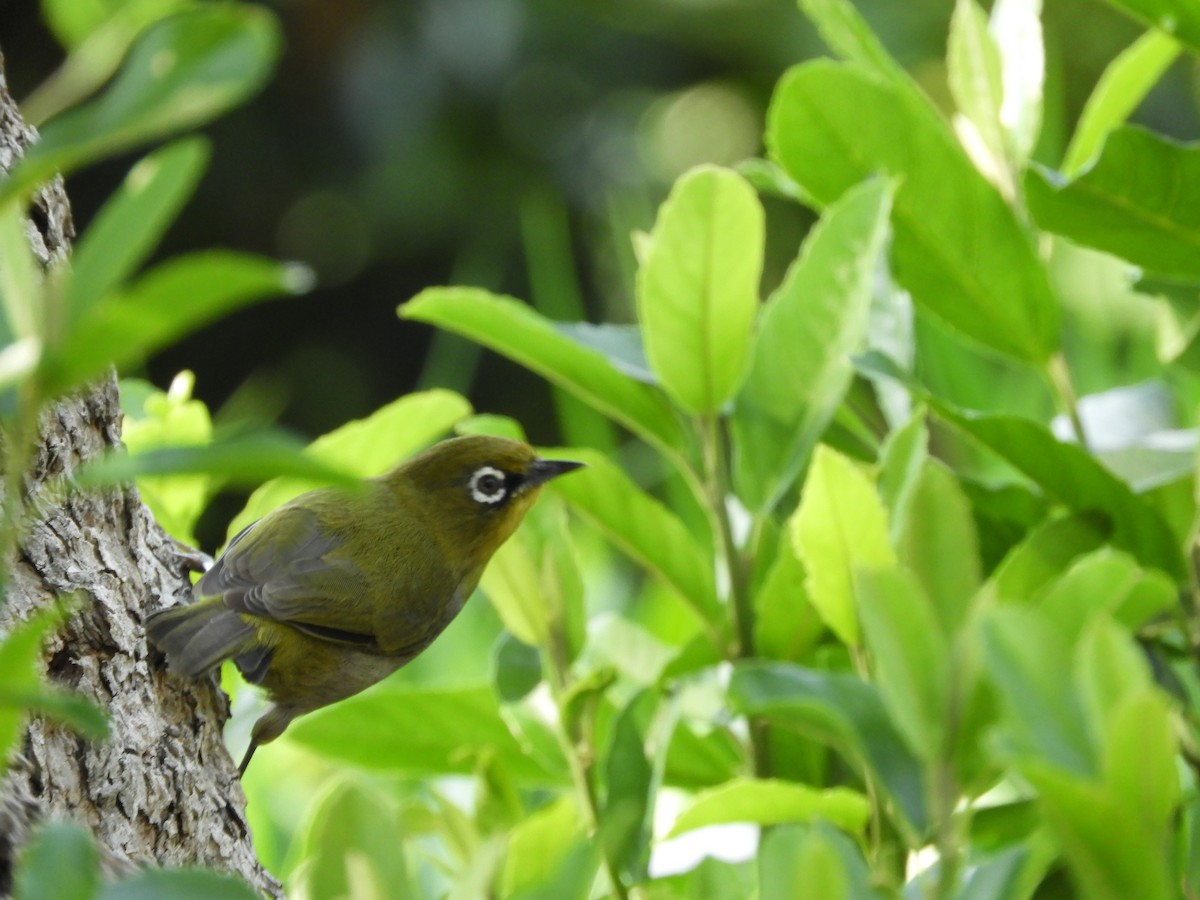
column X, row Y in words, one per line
column 487, row 485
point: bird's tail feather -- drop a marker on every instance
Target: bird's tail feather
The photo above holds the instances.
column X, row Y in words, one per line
column 198, row 637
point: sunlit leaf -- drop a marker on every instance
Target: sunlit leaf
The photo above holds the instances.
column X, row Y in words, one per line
column 773, row 802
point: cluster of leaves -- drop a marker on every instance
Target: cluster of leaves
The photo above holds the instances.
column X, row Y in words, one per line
column 888, row 616
column 177, row 64
column 928, row 646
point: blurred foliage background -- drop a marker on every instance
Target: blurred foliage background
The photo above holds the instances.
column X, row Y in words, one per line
column 514, row 145
column 510, row 144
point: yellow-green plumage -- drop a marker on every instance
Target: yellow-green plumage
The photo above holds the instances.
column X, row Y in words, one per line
column 333, row 591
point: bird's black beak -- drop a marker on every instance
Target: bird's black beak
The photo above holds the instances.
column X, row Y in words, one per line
column 542, row 470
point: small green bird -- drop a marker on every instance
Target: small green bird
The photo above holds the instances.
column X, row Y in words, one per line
column 334, row 590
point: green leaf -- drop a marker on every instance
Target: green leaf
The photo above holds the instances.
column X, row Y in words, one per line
column 516, row 668
column 60, row 861
column 974, row 74
column 644, row 528
column 1140, row 201
column 1071, row 476
column 132, row 221
column 827, row 863
column 183, row 71
column 20, row 280
column 629, row 777
column 697, row 288
column 179, row 884
column 1107, row 581
column 549, row 856
column 240, row 460
column 840, row 526
column 354, row 846
column 515, row 330
column 1180, row 18
column 912, row 656
column 1041, row 557
column 1029, row 661
column 166, row 303
column 840, row 709
column 832, row 125
column 800, row 367
column 771, row 801
column 1106, row 862
column 396, row 728
column 20, row 664
column 1120, row 89
column 936, row 540
column 365, row 447
column 71, row 709
column 786, row 625
column 73, row 21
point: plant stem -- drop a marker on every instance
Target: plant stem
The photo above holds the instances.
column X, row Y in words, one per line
column 581, row 757
column 1059, row 376
column 737, row 566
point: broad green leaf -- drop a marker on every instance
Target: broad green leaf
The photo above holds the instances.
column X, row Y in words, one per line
column 73, row 21
column 365, row 447
column 901, row 461
column 1110, row 582
column 912, row 656
column 800, row 367
column 1120, row 89
column 60, row 861
column 183, row 71
column 974, row 73
column 1016, row 27
column 629, row 779
column 166, row 303
column 1105, row 862
column 1041, row 557
column 1140, row 750
column 839, row 527
column 1065, row 472
column 1068, row 474
column 20, row 657
column 697, row 288
column 771, row 801
column 240, row 460
column 1140, row 201
column 827, row 863
column 395, row 728
column 998, row 876
column 544, row 858
column 786, row 625
column 709, row 878
column 129, row 225
column 98, row 34
column 67, row 707
column 645, row 529
column 1180, row 18
column 958, row 247
column 20, row 280
column 840, row 709
column 935, row 539
column 1029, row 662
column 517, row 331
column 179, row 884
column 354, row 846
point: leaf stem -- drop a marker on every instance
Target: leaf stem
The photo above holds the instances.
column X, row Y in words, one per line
column 581, row 759
column 736, row 564
column 1059, row 375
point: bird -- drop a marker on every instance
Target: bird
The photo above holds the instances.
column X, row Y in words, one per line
column 335, row 590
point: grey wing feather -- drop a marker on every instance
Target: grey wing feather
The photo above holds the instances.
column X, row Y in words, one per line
column 281, row 580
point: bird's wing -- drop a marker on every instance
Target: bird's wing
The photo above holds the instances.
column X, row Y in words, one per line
column 289, row 573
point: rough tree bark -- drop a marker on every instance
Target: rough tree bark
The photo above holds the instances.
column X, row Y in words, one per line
column 161, row 789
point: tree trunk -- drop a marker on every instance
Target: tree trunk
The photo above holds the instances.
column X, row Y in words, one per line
column 161, row 789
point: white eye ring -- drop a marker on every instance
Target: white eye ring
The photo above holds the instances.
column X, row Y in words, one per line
column 487, row 485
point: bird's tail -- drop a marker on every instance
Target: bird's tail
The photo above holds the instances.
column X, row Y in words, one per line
column 198, row 637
